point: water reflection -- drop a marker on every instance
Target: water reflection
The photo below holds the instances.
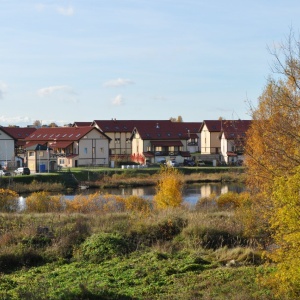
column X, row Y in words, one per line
column 191, row 193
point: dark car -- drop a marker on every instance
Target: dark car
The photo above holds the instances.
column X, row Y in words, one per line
column 189, row 162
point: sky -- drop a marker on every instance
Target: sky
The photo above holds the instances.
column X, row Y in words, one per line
column 83, row 60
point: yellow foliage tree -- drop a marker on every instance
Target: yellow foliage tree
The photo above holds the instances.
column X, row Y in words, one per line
column 8, row 200
column 169, row 188
column 273, row 151
column 42, row 202
column 285, row 223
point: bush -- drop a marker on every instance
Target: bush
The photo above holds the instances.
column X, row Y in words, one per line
column 213, row 238
column 8, row 201
column 42, row 202
column 148, row 234
column 169, row 188
column 102, row 246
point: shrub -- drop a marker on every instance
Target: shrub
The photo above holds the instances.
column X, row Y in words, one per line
column 102, row 246
column 43, row 202
column 8, row 201
column 169, row 188
column 135, row 204
column 144, row 234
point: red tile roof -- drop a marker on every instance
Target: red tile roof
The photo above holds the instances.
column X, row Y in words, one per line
column 213, row 125
column 18, row 133
column 235, row 128
column 167, row 130
column 61, row 133
column 80, row 124
column 124, row 125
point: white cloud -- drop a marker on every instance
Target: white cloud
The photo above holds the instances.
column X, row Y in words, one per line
column 118, row 100
column 15, row 120
column 3, row 88
column 66, row 11
column 47, row 91
column 118, row 82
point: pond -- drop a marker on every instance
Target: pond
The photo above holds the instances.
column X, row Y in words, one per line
column 191, row 192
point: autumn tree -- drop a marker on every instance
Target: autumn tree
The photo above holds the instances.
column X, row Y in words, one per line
column 179, row 119
column 37, row 123
column 9, row 201
column 286, row 227
column 273, row 144
column 273, row 152
column 169, row 188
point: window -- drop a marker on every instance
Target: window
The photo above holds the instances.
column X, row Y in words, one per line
column 93, row 150
column 117, row 140
column 41, row 153
column 128, row 140
column 101, row 149
column 149, row 148
column 61, row 161
column 85, row 151
column 31, row 153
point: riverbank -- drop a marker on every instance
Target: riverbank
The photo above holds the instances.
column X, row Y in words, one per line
column 72, row 179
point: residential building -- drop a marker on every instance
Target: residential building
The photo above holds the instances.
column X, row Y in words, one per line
column 69, row 147
column 156, row 141
column 210, row 137
column 12, row 141
column 120, row 132
column 233, row 138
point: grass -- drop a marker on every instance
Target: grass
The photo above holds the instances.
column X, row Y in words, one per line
column 172, row 254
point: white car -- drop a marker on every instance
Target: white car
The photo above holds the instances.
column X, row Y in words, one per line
column 4, row 173
column 22, row 171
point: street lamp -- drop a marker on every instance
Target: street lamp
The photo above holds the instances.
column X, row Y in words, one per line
column 39, row 158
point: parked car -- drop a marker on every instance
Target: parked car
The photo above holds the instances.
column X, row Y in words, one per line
column 189, row 162
column 4, row 173
column 22, row 171
column 200, row 162
column 171, row 163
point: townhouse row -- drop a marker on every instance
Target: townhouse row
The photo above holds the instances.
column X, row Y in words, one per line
column 105, row 142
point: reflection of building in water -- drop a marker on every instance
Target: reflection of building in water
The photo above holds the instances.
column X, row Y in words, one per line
column 140, row 192
column 205, row 190
column 224, row 189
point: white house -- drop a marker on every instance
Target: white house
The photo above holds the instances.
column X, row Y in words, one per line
column 69, row 146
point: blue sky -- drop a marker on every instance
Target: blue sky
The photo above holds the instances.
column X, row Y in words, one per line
column 83, row 60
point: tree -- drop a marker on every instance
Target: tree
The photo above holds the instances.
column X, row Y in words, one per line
column 37, row 123
column 286, row 226
column 8, row 200
column 273, row 151
column 179, row 119
column 169, row 188
column 273, row 144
